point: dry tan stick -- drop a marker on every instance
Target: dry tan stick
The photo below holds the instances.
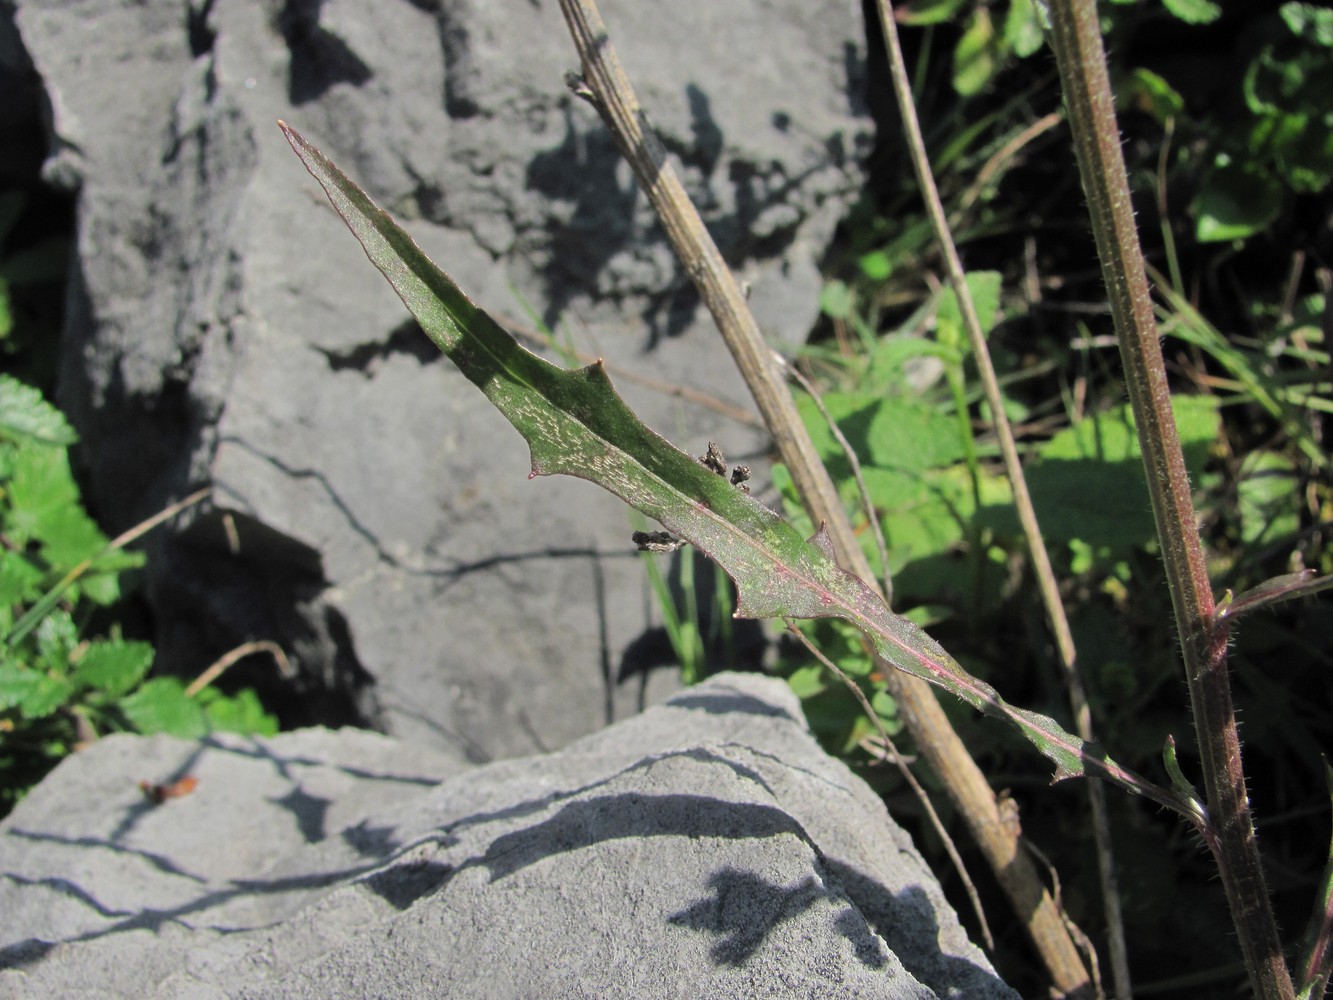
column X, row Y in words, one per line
column 215, row 669
column 888, row 751
column 1004, row 154
column 605, row 84
column 1027, row 515
column 867, row 504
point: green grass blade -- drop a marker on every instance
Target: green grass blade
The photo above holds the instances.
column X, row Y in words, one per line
column 575, row 424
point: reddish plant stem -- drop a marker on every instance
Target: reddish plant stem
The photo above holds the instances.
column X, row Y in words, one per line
column 1228, row 828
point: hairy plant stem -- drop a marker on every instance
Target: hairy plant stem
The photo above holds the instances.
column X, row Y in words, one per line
column 605, row 84
column 1227, row 827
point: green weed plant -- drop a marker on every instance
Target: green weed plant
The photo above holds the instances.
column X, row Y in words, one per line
column 61, row 688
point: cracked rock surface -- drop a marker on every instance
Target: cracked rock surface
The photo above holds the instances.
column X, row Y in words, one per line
column 706, row 848
column 370, row 512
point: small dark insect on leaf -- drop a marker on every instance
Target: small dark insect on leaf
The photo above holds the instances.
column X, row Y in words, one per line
column 656, row 541
column 157, row 794
column 714, row 460
column 739, row 475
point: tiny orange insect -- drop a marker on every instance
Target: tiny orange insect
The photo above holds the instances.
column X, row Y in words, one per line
column 157, row 794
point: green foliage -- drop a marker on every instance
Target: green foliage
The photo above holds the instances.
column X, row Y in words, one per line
column 1279, row 142
column 1225, row 136
column 58, row 687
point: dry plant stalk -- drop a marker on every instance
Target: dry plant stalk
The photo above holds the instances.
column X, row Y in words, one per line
column 1027, row 514
column 605, row 84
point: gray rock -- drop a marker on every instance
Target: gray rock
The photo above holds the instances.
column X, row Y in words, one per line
column 706, row 848
column 370, row 511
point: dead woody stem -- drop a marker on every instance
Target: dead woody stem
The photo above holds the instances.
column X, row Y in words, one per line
column 605, row 84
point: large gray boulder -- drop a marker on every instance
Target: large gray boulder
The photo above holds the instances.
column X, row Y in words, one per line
column 706, row 848
column 370, row 511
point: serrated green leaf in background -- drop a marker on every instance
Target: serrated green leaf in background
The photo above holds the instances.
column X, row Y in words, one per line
column 984, row 287
column 35, row 693
column 20, row 580
column 26, row 416
column 894, row 433
column 1289, row 91
column 1267, row 491
column 912, row 435
column 1088, row 482
column 44, row 507
column 56, row 636
column 898, row 363
column 160, row 706
column 242, row 712
column 113, row 666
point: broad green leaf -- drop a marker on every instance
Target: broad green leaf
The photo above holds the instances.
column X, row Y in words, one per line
column 976, row 57
column 1146, row 91
column 35, row 693
column 26, row 416
column 836, row 300
column 1194, row 11
column 894, row 433
column 899, row 362
column 160, row 706
column 885, row 705
column 984, row 287
column 1088, row 483
column 806, row 682
column 20, row 580
column 113, row 666
column 57, row 635
column 575, row 424
column 1022, row 29
column 1235, row 202
column 45, row 508
column 1310, row 22
column 911, row 435
column 1267, row 491
column 242, row 712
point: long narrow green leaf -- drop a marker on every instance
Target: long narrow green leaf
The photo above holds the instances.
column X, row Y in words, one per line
column 575, row 424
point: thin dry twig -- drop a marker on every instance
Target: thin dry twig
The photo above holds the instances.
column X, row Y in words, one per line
column 218, row 666
column 604, row 84
column 867, row 504
column 1027, row 516
column 888, row 751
